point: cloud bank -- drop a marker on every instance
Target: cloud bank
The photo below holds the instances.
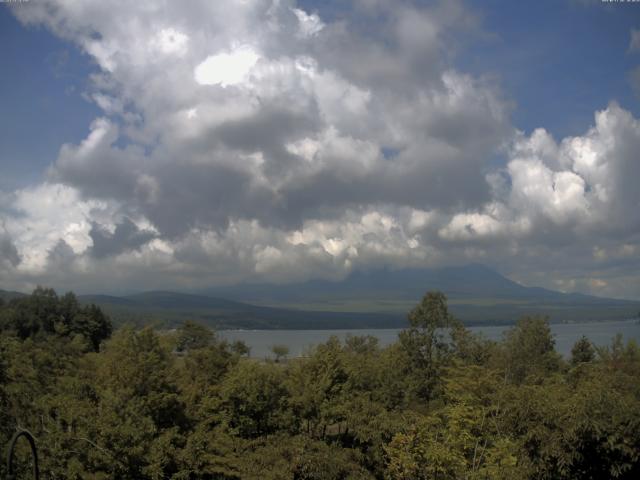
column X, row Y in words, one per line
column 255, row 141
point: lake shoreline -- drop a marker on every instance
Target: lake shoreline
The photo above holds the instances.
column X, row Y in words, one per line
column 466, row 324
column 300, row 340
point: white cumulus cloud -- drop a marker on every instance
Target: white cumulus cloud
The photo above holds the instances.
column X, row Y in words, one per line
column 256, row 140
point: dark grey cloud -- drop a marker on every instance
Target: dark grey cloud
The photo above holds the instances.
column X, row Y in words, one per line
column 61, row 256
column 205, row 196
column 8, row 251
column 125, row 237
column 97, row 166
column 267, row 132
column 394, row 46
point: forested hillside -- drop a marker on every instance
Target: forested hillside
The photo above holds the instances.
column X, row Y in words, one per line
column 440, row 403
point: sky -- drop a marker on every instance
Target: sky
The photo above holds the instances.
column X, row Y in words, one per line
column 182, row 145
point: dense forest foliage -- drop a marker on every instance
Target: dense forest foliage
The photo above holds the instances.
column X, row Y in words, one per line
column 441, row 403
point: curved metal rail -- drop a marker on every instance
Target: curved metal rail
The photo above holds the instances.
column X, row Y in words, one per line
column 11, row 475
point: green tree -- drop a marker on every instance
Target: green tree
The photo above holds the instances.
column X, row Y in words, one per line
column 192, row 335
column 199, row 375
column 139, row 405
column 254, row 399
column 301, row 458
column 240, row 348
column 44, row 314
column 582, row 352
column 93, row 324
column 530, row 350
column 457, row 442
column 583, row 429
column 317, row 388
column 280, row 352
column 426, row 344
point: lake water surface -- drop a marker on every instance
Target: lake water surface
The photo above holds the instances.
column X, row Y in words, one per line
column 299, row 341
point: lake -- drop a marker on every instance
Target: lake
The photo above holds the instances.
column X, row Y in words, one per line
column 299, row 341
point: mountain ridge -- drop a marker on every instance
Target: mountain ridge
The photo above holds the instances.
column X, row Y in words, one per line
column 372, row 299
column 459, row 281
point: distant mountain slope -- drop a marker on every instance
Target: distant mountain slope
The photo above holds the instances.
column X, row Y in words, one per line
column 375, row 299
column 169, row 309
column 476, row 294
column 173, row 300
column 8, row 295
column 471, row 281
